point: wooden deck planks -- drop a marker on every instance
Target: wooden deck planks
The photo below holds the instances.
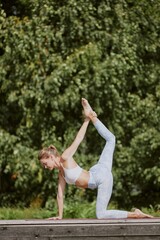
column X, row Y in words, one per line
column 88, row 229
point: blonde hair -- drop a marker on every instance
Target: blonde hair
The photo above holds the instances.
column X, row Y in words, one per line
column 46, row 152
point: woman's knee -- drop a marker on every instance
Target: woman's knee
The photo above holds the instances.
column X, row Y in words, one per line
column 100, row 214
column 112, row 140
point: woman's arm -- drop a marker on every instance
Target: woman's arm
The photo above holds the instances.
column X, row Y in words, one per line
column 60, row 196
column 70, row 151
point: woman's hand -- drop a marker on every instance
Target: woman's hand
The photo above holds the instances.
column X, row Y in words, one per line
column 55, row 218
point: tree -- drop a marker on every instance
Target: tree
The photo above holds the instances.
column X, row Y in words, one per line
column 52, row 54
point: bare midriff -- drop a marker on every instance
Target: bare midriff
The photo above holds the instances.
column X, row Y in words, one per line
column 83, row 179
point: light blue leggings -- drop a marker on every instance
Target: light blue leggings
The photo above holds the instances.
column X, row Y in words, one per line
column 101, row 176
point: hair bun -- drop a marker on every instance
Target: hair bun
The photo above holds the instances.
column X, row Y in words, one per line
column 51, row 147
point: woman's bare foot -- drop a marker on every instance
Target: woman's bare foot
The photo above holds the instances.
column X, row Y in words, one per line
column 88, row 111
column 138, row 214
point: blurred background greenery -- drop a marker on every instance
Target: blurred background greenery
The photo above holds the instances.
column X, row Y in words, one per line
column 52, row 53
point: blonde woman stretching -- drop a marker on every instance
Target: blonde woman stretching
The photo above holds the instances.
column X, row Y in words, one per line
column 99, row 176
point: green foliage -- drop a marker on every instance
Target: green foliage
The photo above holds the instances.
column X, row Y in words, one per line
column 51, row 54
column 23, row 213
column 72, row 210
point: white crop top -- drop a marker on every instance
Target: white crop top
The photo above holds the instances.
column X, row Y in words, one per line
column 72, row 174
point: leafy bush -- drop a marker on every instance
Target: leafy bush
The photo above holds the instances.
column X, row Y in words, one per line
column 51, row 54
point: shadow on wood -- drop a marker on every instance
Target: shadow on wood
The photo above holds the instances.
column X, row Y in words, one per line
column 86, row 229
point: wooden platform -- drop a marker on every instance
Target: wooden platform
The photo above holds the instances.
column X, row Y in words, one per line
column 86, row 229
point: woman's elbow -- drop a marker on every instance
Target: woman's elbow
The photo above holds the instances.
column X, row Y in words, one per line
column 59, row 196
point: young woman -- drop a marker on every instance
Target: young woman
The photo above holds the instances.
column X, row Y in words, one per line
column 99, row 176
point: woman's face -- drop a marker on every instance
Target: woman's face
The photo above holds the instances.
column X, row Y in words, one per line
column 49, row 163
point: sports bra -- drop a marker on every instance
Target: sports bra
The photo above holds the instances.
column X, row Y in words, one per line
column 72, row 174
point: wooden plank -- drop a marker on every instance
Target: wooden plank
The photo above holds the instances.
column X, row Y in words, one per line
column 77, row 221
column 83, row 231
column 80, row 229
column 86, row 238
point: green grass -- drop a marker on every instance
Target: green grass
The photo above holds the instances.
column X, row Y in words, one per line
column 154, row 211
column 26, row 213
column 71, row 210
column 74, row 210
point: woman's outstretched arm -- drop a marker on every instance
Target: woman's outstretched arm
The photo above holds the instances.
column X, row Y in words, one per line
column 70, row 151
column 60, row 197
